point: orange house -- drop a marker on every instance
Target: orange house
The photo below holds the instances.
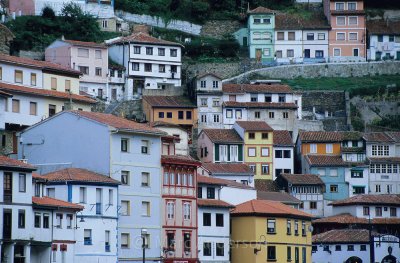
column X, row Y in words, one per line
column 319, row 142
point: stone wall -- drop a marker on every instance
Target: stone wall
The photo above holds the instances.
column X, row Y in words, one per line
column 170, row 91
column 31, row 54
column 371, row 110
column 6, row 36
column 225, row 70
column 219, row 28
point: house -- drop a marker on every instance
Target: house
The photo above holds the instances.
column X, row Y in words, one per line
column 383, row 154
column 348, row 36
column 96, row 238
column 213, row 221
column 354, row 245
column 258, row 139
column 116, row 82
column 236, row 172
column 276, row 103
column 220, row 146
column 151, row 63
column 308, row 188
column 300, row 40
column 283, row 153
column 171, row 109
column 279, row 233
column 179, row 208
column 282, row 197
column 208, row 94
column 126, row 151
column 90, row 58
column 181, row 146
column 384, row 39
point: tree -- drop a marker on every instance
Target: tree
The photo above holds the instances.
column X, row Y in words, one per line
column 48, row 12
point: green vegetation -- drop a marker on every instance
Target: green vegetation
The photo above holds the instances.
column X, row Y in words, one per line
column 389, row 121
column 356, row 119
column 37, row 32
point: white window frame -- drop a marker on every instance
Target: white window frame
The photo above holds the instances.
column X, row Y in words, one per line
column 251, row 152
column 348, row 22
column 223, row 153
column 344, row 6
column 340, row 52
column 234, row 150
column 329, row 148
column 351, row 3
column 344, row 20
column 357, row 51
column 353, row 39
column 313, row 148
column 344, row 34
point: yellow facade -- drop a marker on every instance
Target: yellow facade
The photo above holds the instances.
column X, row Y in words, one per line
column 60, row 82
column 250, row 240
column 259, row 145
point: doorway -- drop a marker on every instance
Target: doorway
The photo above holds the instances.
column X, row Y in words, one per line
column 7, row 223
column 307, row 53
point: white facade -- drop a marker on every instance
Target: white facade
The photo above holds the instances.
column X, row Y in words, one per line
column 384, row 46
column 288, row 51
column 374, row 211
column 116, row 84
column 181, row 147
column 283, row 160
column 237, row 195
column 316, row 41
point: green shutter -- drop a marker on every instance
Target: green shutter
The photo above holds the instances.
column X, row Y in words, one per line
column 229, row 152
column 216, row 150
column 240, row 152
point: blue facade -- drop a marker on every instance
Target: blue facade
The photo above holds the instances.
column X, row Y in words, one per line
column 331, row 180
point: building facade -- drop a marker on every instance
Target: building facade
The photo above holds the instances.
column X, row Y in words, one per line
column 384, row 40
column 283, row 153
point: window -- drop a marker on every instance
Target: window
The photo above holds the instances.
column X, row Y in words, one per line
column 161, row 51
column 290, row 53
column 82, row 195
column 251, row 152
column 18, row 76
column 253, row 167
column 257, row 21
column 83, row 52
column 356, row 174
column 206, row 249
column 285, row 115
column 216, row 118
column 147, row 67
column 145, row 208
column 206, row 219
column 350, row 247
column 363, row 247
column 339, row 6
column 125, row 177
column 87, row 237
column 265, row 169
column 98, row 71
column 281, row 36
column 46, row 220
column 321, row 36
column 329, row 148
column 136, row 49
column 313, row 205
column 210, row 193
column 341, row 20
column 145, row 179
column 33, row 79
column 187, row 207
column 393, row 212
column 378, row 211
column 358, row 190
column 125, row 208
column 252, row 135
column 97, row 53
column 353, row 20
column 271, row 115
column 37, row 220
column 378, row 188
column 145, row 147
column 15, row 106
column 291, row 36
column 351, row 6
column 161, row 115
column 170, row 209
column 353, row 36
column 70, row 218
column 203, row 118
column 310, row 36
column 135, row 66
column 174, row 52
column 169, row 115
column 215, row 103
column 340, row 36
column 188, row 115
column 21, row 218
column 107, row 241
column 253, row 98
column 229, row 114
column 124, row 240
column 289, row 227
column 304, row 254
column 366, row 210
column 161, row 68
column 220, row 249
column 271, row 226
column 124, row 144
column 278, row 54
column 59, row 220
column 296, row 227
column 84, row 70
column 1, row 73
column 337, row 52
column 51, row 192
column 149, row 51
column 238, row 114
column 257, row 115
column 271, row 253
column 264, row 136
column 22, row 183
column 52, row 110
column 215, row 84
column 203, row 84
column 333, row 188
column 174, row 68
column 287, row 154
column 203, row 102
column 391, row 39
column 67, row 85
column 264, row 151
column 314, row 248
column 313, row 148
column 219, row 220
column 267, row 52
column 303, row 228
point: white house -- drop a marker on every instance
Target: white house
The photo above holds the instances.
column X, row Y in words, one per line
column 236, row 172
column 181, row 136
column 97, row 237
column 213, row 221
column 208, row 89
column 151, row 63
column 116, row 82
column 283, row 153
column 384, row 39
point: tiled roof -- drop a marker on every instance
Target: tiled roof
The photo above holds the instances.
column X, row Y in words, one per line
column 325, row 160
column 254, row 125
column 55, row 203
column 285, row 21
column 44, row 93
column 223, row 135
column 5, row 94
column 118, row 122
column 260, row 105
column 213, row 203
column 302, row 179
column 266, row 185
column 38, row 177
column 394, row 135
column 164, row 124
column 79, row 175
column 228, row 168
column 282, row 138
column 384, row 160
column 266, row 208
column 207, row 74
column 365, row 199
column 351, row 135
column 45, row 65
column 144, row 38
column 378, row 137
column 348, row 219
column 261, row 10
column 256, row 88
column 12, row 163
column 201, row 179
column 169, row 101
column 342, row 236
column 320, row 136
column 282, row 197
column 180, row 159
column 85, row 44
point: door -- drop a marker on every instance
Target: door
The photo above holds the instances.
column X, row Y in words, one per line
column 7, row 225
column 258, row 54
column 245, row 41
column 355, row 52
column 100, row 93
column 398, row 55
column 7, row 187
column 307, row 53
column 114, row 94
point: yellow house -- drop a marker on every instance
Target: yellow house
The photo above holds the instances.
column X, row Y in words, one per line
column 61, row 81
column 258, row 144
column 268, row 231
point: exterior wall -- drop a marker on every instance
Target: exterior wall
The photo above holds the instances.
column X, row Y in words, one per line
column 283, row 163
column 8, row 75
column 253, row 229
column 74, row 88
column 118, row 84
column 356, row 181
column 321, row 256
column 182, row 147
column 318, row 44
column 378, row 50
column 152, row 114
column 358, row 211
column 307, row 196
column 263, row 43
column 285, row 45
column 329, row 180
column 208, row 146
column 321, row 148
column 237, row 196
column 108, row 24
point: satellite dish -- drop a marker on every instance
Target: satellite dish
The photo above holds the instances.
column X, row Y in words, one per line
column 310, row 228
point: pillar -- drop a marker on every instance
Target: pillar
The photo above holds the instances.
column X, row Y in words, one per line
column 27, row 253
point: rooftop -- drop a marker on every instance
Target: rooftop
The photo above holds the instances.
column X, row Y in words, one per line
column 169, row 101
column 282, row 138
column 348, row 219
column 213, row 203
column 285, row 21
column 320, row 136
column 85, row 44
column 44, row 93
column 46, row 201
column 261, row 10
column 78, row 175
column 180, row 159
column 302, row 179
column 282, row 197
column 389, row 137
column 228, row 168
column 369, row 199
column 208, row 74
column 223, row 135
column 6, row 162
column 201, row 179
column 256, row 88
column 325, row 160
column 267, row 208
column 254, row 125
column 342, row 236
column 144, row 38
column 260, row 105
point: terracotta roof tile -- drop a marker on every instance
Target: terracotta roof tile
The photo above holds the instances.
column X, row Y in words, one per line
column 394, row 135
column 141, row 37
column 213, row 203
column 291, row 21
column 201, row 179
column 325, row 160
column 254, row 125
column 78, row 175
column 118, row 122
column 261, row 10
column 320, row 136
column 45, row 65
column 223, row 135
column 180, row 159
column 365, row 199
column 342, row 236
column 12, row 163
column 38, row 177
column 44, row 93
column 169, row 101
column 282, row 197
column 384, row 160
column 266, row 185
column 228, row 168
column 260, row 105
column 378, row 137
column 56, row 203
column 256, row 88
column 266, row 208
column 302, row 179
column 282, row 138
column 348, row 219
column 85, row 44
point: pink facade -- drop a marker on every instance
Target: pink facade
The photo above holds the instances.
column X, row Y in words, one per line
column 205, row 149
column 26, row 7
